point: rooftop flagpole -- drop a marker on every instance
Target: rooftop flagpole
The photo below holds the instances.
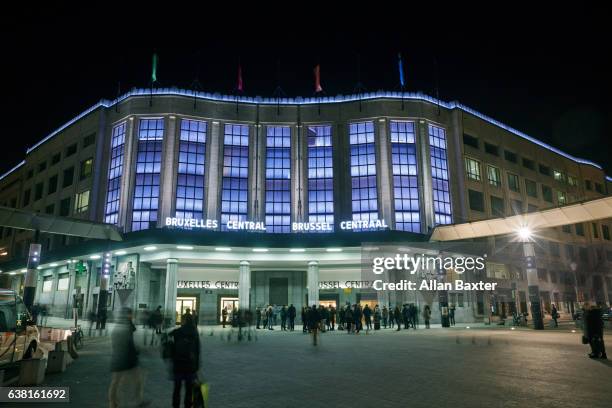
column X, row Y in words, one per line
column 153, row 76
column 402, row 79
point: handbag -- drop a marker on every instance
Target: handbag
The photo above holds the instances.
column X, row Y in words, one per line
column 200, row 393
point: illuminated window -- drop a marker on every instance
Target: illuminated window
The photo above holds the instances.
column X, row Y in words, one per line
column 561, row 198
column 115, row 170
column 363, row 171
column 86, row 168
column 190, row 173
column 81, row 202
column 472, row 168
column 439, row 176
column 513, row 182
column 148, row 167
column 320, row 175
column 494, row 176
column 278, row 179
column 234, row 190
column 405, row 180
column 559, row 176
column 531, row 188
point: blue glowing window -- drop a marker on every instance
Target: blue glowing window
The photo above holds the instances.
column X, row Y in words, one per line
column 190, row 177
column 364, row 195
column 113, row 192
column 278, row 179
column 148, row 167
column 405, row 180
column 320, row 175
column 439, row 176
column 234, row 189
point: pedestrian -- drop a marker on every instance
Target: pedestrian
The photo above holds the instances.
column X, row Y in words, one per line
column 92, row 321
column 348, row 317
column 304, row 319
column 391, row 317
column 405, row 317
column 332, row 318
column 385, row 316
column 158, row 319
column 376, row 318
column 258, row 316
column 322, row 318
column 264, row 316
column 185, row 360
column 291, row 312
column 270, row 317
column 283, row 315
column 397, row 314
column 187, row 314
column 341, row 316
column 357, row 315
column 224, row 316
column 367, row 314
column 314, row 322
column 555, row 315
column 124, row 361
column 451, row 314
column 593, row 331
column 427, row 315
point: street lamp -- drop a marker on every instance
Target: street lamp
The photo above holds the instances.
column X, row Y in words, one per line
column 525, row 235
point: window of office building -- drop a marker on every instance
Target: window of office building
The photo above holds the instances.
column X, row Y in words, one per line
column 572, row 181
column 559, row 176
column 554, row 249
column 89, row 140
column 547, row 194
column 68, row 177
column 583, row 254
column 405, row 180
column 38, row 191
column 494, row 176
column 513, row 182
column 190, row 172
column 278, row 179
column 320, row 175
column 476, row 200
column 42, row 166
column 115, row 169
column 56, row 158
column 579, row 229
column 532, row 208
column 439, row 176
column 234, row 188
column 470, row 140
column 605, row 232
column 528, row 164
column 531, row 187
column 472, row 169
column 595, row 231
column 86, row 168
column 567, row 229
column 588, row 185
column 599, row 188
column 569, row 251
column 148, row 167
column 26, row 197
column 491, row 149
column 363, row 171
column 517, row 206
column 52, row 185
column 50, row 209
column 497, row 207
column 510, row 156
column 70, row 150
column 561, row 197
column 545, row 170
column 65, row 207
column 81, row 202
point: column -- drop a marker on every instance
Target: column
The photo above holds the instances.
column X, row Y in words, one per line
column 312, row 282
column 532, row 284
column 244, row 285
column 214, row 147
column 31, row 274
column 168, row 172
column 426, row 192
column 170, row 300
column 384, row 174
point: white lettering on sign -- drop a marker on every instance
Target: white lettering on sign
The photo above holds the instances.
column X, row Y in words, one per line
column 311, row 226
column 191, row 223
column 246, row 225
column 363, row 224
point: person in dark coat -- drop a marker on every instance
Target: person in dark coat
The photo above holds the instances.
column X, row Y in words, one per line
column 554, row 313
column 157, row 319
column 304, row 319
column 258, row 316
column 427, row 316
column 397, row 315
column 405, row 317
column 385, row 316
column 348, row 318
column 332, row 318
column 185, row 360
column 283, row 314
column 367, row 314
column 291, row 312
column 357, row 315
column 593, row 331
column 314, row 321
column 451, row 313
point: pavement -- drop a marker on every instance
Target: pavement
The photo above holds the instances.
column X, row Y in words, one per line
column 441, row 367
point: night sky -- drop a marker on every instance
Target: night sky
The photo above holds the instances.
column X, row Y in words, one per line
column 547, row 76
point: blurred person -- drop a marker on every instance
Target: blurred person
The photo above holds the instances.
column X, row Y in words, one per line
column 283, row 316
column 224, row 317
column 357, row 316
column 593, row 331
column 451, row 313
column 427, row 316
column 332, row 318
column 291, row 312
column 270, row 317
column 385, row 316
column 124, row 360
column 405, row 316
column 397, row 316
column 257, row 317
column 348, row 318
column 314, row 321
column 367, row 315
column 185, row 360
column 376, row 318
column 554, row 313
column 304, row 319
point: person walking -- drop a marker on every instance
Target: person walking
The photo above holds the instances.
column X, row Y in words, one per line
column 367, row 314
column 264, row 316
column 385, row 316
column 427, row 316
column 391, row 317
column 185, row 360
column 283, row 315
column 124, row 361
column 451, row 314
column 593, row 331
column 357, row 316
column 270, row 317
column 257, row 317
column 348, row 317
column 405, row 317
column 555, row 315
column 314, row 321
column 224, row 316
column 341, row 316
column 304, row 319
column 291, row 312
column 376, row 318
column 397, row 314
column 332, row 318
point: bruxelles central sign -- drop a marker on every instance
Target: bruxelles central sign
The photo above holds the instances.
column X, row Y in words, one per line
column 193, row 223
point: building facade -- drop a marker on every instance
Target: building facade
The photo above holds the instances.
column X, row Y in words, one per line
column 228, row 201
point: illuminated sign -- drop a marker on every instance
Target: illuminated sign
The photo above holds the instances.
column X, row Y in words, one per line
column 182, row 284
column 311, row 226
column 363, row 224
column 246, row 225
column 345, row 284
column 191, row 223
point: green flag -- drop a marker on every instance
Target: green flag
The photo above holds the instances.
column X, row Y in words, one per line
column 154, row 71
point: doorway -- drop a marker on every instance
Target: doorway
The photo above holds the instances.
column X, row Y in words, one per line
column 184, row 303
column 231, row 303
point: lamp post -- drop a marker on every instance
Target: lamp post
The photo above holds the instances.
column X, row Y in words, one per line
column 531, row 270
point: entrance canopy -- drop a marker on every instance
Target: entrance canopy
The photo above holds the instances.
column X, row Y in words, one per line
column 586, row 211
column 27, row 220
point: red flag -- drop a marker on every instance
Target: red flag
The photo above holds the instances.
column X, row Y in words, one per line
column 317, row 78
column 239, row 82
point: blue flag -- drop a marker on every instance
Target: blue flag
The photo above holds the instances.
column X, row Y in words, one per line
column 401, row 71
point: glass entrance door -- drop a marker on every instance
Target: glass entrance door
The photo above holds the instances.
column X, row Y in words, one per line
column 230, row 304
column 184, row 303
